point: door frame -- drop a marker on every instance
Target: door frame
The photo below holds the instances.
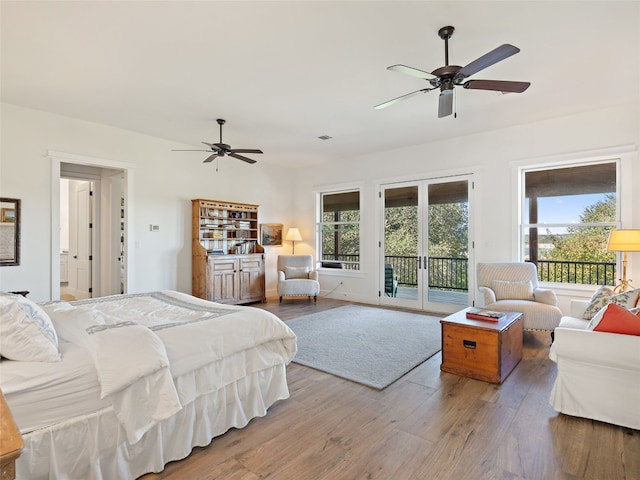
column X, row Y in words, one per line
column 57, row 158
column 422, row 183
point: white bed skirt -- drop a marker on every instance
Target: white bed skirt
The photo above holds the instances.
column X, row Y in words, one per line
column 95, row 446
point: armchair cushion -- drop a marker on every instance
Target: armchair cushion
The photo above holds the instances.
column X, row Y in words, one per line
column 296, row 272
column 545, row 295
column 505, row 290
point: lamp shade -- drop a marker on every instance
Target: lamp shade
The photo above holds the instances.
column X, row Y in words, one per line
column 624, row 240
column 293, row 234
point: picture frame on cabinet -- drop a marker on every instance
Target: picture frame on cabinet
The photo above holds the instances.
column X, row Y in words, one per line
column 271, row 234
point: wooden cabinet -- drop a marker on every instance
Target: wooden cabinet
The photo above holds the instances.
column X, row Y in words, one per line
column 228, row 261
column 235, row 278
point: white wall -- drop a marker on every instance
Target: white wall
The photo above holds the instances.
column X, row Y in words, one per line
column 166, row 181
column 493, row 158
column 164, row 184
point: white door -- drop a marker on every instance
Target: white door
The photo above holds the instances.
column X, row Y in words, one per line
column 424, row 262
column 80, row 235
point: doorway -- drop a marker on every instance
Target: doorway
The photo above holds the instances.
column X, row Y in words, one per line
column 100, row 236
column 425, row 244
column 76, row 239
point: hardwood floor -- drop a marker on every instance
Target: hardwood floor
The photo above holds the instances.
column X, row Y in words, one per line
column 426, row 425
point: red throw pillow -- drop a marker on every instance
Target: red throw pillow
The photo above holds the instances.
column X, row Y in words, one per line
column 618, row 320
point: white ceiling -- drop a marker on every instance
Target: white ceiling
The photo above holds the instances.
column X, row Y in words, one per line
column 283, row 73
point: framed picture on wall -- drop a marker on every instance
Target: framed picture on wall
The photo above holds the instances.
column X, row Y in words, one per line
column 8, row 215
column 271, row 234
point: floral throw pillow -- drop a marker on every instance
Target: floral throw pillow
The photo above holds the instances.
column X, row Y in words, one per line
column 600, row 298
column 630, row 299
column 605, row 295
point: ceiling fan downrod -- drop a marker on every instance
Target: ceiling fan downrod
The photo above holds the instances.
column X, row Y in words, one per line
column 445, row 34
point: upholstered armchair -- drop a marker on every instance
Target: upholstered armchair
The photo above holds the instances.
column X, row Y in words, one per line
column 297, row 277
column 513, row 287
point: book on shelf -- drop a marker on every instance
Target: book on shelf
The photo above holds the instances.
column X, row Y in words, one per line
column 482, row 314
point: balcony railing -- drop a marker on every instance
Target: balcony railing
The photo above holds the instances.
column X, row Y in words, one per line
column 448, row 273
column 585, row 273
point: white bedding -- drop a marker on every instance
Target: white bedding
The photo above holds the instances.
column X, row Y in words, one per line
column 202, row 348
column 43, row 394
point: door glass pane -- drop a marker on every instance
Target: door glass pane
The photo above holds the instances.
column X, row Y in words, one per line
column 448, row 228
column 401, row 242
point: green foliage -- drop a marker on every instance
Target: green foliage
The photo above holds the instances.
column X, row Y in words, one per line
column 401, row 231
column 448, row 230
column 586, row 243
column 448, row 224
column 583, row 244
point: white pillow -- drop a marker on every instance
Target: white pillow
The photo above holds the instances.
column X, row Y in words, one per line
column 512, row 290
column 26, row 331
column 296, row 272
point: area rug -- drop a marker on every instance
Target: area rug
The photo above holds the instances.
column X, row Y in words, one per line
column 372, row 346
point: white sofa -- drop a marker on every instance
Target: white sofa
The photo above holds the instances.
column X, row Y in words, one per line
column 598, row 373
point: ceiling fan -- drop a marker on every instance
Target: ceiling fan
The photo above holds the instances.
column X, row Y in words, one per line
column 221, row 149
column 447, row 77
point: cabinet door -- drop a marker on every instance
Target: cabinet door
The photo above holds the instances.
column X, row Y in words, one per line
column 223, row 286
column 251, row 279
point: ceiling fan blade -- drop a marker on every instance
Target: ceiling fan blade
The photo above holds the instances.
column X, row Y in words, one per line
column 445, row 103
column 399, row 99
column 494, row 56
column 240, row 157
column 190, row 150
column 497, row 85
column 210, row 158
column 414, row 72
column 245, row 150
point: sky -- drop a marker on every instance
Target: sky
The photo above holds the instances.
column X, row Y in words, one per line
column 565, row 209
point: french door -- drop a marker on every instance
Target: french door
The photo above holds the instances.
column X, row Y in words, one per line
column 424, row 259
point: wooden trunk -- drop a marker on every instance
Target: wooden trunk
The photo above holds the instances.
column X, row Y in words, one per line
column 478, row 349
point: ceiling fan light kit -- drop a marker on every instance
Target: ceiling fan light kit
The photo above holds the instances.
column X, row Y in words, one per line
column 223, row 149
column 449, row 76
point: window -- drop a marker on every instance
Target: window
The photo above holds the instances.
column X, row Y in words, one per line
column 339, row 228
column 567, row 215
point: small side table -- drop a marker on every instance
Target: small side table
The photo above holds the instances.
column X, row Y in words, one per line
column 480, row 349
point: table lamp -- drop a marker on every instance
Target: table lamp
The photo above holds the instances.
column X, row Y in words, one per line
column 293, row 235
column 624, row 240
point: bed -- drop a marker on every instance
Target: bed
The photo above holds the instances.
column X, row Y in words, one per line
column 116, row 387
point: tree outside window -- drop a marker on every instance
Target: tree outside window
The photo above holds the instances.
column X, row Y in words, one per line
column 340, row 229
column 568, row 214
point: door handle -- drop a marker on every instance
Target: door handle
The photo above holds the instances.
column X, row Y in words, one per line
column 75, row 256
column 419, row 263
